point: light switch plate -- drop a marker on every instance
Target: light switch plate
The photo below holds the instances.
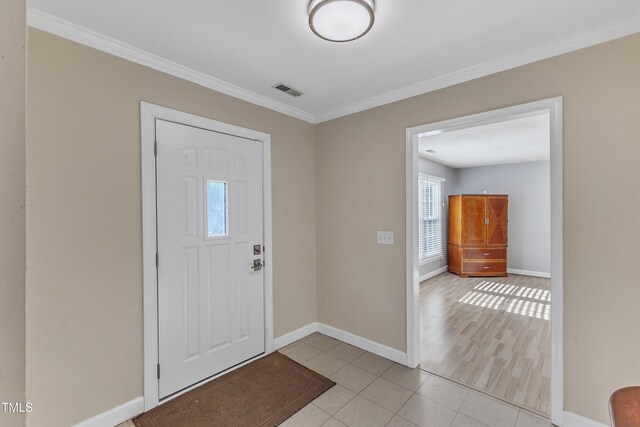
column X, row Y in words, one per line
column 385, row 237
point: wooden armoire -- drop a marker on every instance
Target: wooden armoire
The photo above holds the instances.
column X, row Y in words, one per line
column 478, row 225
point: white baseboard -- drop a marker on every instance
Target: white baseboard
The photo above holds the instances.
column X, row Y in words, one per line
column 363, row 343
column 116, row 415
column 286, row 339
column 433, row 273
column 344, row 336
column 529, row 273
column 573, row 420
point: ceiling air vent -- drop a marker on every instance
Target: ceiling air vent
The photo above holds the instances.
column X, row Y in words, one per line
column 286, row 89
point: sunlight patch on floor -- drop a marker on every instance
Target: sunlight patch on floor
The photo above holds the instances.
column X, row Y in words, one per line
column 521, row 300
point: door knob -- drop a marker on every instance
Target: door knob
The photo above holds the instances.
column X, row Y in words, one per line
column 256, row 265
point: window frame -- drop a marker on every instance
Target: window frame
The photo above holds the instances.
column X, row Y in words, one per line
column 430, row 257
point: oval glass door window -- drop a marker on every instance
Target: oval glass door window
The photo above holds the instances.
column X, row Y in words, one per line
column 217, row 209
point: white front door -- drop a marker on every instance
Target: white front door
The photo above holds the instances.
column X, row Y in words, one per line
column 210, row 232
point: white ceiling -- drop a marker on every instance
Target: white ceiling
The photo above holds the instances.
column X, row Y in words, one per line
column 415, row 45
column 513, row 141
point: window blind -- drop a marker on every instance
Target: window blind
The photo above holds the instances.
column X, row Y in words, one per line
column 430, row 223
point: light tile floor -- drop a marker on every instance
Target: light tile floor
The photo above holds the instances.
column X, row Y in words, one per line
column 372, row 391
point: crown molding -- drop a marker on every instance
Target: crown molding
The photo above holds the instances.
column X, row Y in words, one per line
column 63, row 28
column 68, row 30
column 593, row 37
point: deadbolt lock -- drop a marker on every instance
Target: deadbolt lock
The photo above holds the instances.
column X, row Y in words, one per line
column 257, row 249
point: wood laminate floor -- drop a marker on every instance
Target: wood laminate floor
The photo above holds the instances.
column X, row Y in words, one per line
column 491, row 334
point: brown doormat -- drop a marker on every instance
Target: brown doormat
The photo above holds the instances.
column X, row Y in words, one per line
column 262, row 393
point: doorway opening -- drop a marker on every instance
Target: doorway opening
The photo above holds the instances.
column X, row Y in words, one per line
column 207, row 236
column 475, row 326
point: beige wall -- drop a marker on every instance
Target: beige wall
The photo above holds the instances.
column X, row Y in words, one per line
column 84, row 278
column 12, row 205
column 360, row 189
column 84, row 283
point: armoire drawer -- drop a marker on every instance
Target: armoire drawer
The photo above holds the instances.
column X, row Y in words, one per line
column 479, row 267
column 481, row 253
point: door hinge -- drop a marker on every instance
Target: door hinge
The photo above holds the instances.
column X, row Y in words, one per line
column 157, row 260
column 486, row 220
column 155, row 148
column 158, row 371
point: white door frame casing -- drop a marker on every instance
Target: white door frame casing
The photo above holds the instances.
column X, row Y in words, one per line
column 149, row 113
column 553, row 107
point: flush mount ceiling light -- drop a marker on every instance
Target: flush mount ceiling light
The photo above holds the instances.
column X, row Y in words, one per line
column 341, row 20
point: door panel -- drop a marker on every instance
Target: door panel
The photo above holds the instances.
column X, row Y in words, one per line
column 497, row 213
column 219, row 296
column 210, row 302
column 474, row 230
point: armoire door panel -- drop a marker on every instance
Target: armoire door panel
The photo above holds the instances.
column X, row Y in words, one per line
column 474, row 229
column 497, row 213
column 454, row 232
